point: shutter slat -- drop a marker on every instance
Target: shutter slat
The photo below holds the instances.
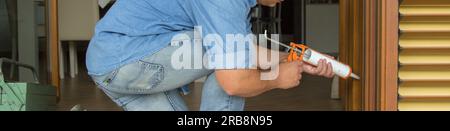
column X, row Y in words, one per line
column 425, row 3
column 424, row 106
column 434, row 89
column 425, row 27
column 425, row 43
column 441, row 11
column 424, row 56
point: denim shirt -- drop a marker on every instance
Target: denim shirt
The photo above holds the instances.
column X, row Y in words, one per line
column 133, row 29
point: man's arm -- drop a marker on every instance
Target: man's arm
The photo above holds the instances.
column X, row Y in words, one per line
column 247, row 83
column 244, row 83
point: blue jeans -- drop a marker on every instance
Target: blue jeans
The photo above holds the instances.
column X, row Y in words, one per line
column 151, row 84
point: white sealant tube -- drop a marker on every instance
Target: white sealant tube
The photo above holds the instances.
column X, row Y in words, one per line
column 313, row 57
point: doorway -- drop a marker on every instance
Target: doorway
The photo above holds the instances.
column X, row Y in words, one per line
column 359, row 44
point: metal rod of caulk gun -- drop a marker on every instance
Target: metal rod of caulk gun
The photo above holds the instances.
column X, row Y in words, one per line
column 297, row 50
column 279, row 43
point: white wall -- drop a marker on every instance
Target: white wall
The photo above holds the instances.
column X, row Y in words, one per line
column 323, row 27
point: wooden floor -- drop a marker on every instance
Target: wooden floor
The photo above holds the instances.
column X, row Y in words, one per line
column 82, row 90
column 312, row 95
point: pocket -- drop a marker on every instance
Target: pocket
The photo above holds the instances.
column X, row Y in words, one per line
column 136, row 78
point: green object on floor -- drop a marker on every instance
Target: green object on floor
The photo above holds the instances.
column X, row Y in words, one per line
column 22, row 96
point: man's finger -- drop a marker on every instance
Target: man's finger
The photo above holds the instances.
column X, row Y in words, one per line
column 319, row 68
column 309, row 69
column 323, row 68
column 300, row 67
column 330, row 70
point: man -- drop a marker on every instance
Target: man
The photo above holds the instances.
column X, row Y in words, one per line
column 131, row 55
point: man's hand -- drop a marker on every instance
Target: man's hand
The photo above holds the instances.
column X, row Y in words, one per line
column 290, row 75
column 323, row 69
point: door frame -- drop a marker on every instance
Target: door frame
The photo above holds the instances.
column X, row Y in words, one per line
column 52, row 31
column 388, row 55
column 369, row 44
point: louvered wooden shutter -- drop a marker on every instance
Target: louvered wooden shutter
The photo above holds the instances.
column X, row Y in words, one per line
column 424, row 57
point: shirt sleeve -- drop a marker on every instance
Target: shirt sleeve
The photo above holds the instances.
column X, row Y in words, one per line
column 226, row 32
